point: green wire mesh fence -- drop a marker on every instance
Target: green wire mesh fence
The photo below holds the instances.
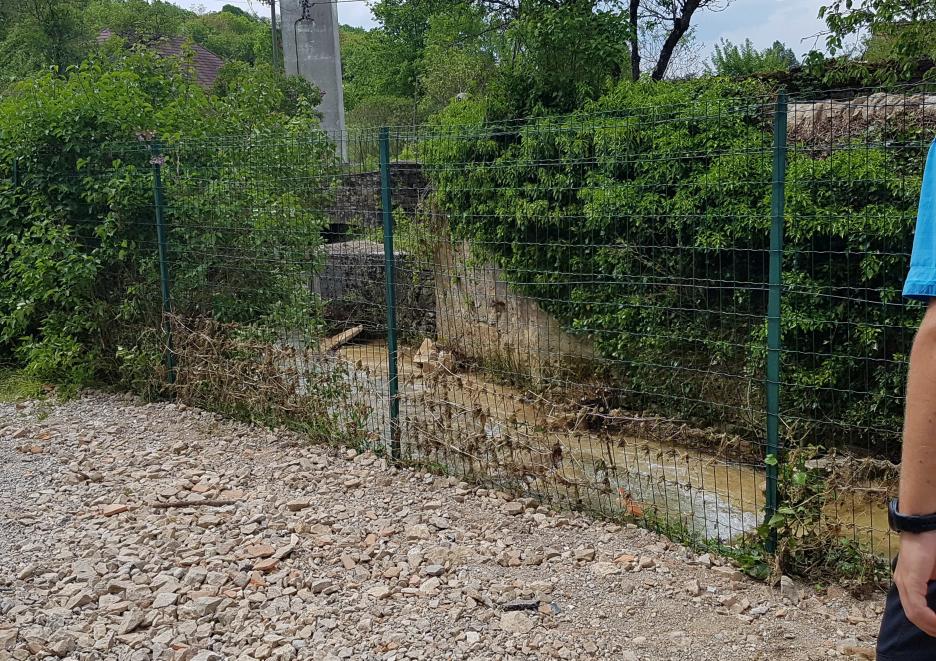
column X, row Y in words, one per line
column 686, row 315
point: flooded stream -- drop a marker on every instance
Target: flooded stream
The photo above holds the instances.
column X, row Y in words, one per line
column 507, row 433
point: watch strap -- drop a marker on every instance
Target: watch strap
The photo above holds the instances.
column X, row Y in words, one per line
column 910, row 523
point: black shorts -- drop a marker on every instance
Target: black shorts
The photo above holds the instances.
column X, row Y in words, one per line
column 900, row 639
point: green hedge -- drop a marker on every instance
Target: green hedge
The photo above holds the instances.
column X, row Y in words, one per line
column 643, row 222
column 79, row 287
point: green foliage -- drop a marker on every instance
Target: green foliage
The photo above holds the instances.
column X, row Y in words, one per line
column 79, row 284
column 810, row 541
column 899, row 30
column 17, row 386
column 232, row 36
column 138, row 18
column 661, row 193
column 569, row 51
column 745, row 60
column 36, row 34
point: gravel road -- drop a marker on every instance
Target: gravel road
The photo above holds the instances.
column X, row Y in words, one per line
column 149, row 531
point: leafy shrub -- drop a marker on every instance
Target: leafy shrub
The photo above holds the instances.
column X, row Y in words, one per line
column 79, row 287
column 643, row 221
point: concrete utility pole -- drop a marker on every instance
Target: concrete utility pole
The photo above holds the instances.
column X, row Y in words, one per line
column 273, row 33
column 311, row 49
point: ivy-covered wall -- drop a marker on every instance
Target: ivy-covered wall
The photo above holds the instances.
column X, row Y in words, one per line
column 643, row 222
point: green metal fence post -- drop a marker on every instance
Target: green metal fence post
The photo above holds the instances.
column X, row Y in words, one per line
column 16, row 173
column 386, row 202
column 156, row 161
column 774, row 309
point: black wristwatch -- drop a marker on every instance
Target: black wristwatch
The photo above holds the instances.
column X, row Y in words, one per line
column 907, row 522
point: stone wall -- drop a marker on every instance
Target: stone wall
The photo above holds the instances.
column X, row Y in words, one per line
column 828, row 121
column 479, row 316
column 353, row 285
column 357, row 201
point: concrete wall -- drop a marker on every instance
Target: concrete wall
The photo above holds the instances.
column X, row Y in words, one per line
column 311, row 49
column 479, row 315
column 353, row 286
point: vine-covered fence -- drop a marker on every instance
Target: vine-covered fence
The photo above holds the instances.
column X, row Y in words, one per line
column 681, row 308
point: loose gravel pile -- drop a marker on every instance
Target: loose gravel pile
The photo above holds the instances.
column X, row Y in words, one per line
column 150, row 531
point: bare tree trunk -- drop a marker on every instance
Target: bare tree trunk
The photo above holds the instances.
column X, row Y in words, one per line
column 635, row 44
column 680, row 27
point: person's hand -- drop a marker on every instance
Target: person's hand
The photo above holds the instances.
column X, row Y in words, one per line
column 916, row 567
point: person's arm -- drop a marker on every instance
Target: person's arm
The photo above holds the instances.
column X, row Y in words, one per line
column 916, row 565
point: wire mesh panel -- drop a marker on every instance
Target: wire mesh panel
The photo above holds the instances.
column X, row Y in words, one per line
column 855, row 169
column 571, row 308
column 600, row 300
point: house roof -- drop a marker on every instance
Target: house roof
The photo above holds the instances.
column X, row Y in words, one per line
column 206, row 64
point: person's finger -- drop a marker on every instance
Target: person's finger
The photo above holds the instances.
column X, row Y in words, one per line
column 913, row 600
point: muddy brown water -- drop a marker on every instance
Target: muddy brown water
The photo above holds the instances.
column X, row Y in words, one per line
column 713, row 497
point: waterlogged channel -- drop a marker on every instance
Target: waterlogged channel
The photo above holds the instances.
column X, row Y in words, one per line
column 711, row 496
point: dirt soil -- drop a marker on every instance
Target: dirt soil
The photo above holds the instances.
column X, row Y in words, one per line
column 151, row 531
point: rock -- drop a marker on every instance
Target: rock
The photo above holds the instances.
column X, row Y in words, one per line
column 111, row 510
column 860, row 652
column 430, row 585
column 203, row 606
column 522, row 605
column 259, row 551
column 63, row 644
column 730, row 573
column 8, row 639
column 693, row 588
column 419, row 531
column 297, row 505
column 321, row 586
column 646, row 562
column 266, row 565
column 206, row 655
column 130, row 622
column 513, row 508
column 165, row 599
column 606, row 568
column 379, row 592
column 82, row 598
column 584, row 554
column 516, row 622
column 789, row 589
column 433, row 570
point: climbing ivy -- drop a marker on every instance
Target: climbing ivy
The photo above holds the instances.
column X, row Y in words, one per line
column 643, row 222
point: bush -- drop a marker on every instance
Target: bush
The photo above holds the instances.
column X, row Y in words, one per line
column 79, row 288
column 643, row 222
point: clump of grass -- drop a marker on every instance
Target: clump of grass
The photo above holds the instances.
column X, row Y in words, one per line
column 17, row 386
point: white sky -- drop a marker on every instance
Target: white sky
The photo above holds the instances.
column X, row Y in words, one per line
column 763, row 21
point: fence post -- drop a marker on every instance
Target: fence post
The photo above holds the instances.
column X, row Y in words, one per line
column 774, row 309
column 16, row 173
column 386, row 204
column 156, row 161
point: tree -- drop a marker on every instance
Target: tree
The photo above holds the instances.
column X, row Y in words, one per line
column 673, row 18
column 138, row 18
column 905, row 25
column 42, row 33
column 745, row 60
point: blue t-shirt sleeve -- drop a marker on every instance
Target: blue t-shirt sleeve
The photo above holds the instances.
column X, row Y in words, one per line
column 921, row 281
